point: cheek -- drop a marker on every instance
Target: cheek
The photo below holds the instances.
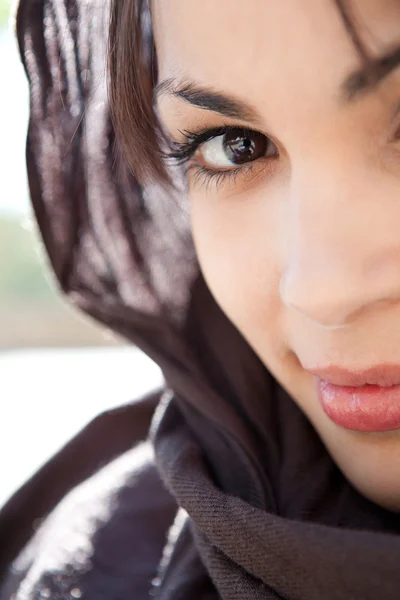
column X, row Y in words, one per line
column 240, row 248
column 237, row 252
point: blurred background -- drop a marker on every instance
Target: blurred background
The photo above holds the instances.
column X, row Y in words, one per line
column 57, row 368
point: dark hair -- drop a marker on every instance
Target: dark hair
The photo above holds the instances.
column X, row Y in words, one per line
column 132, row 75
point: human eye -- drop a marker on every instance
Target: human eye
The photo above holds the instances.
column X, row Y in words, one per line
column 220, row 153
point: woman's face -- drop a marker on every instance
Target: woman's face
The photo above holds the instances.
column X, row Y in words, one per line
column 295, row 197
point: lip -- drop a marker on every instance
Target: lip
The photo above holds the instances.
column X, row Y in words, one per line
column 365, row 400
column 384, row 375
column 366, row 408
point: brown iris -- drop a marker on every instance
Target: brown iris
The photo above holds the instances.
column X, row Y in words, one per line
column 244, row 146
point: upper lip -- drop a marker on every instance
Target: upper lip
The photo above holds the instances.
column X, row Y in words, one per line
column 384, row 375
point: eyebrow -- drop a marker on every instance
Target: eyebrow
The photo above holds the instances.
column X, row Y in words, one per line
column 358, row 83
column 208, row 99
column 368, row 77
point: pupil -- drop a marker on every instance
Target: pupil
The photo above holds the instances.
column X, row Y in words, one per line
column 244, row 146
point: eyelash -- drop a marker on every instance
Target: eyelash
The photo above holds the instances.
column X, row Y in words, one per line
column 184, row 155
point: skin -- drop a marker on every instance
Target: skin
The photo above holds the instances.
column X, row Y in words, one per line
column 312, row 235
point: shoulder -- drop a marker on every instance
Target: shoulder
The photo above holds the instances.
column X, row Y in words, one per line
column 103, row 539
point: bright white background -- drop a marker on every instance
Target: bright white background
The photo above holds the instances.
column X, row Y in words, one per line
column 46, row 396
column 13, row 124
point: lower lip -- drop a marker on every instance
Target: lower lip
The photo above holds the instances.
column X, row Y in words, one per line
column 368, row 408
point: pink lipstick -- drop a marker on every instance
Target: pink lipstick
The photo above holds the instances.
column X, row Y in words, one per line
column 367, row 400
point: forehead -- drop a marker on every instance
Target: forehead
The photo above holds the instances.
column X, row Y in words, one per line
column 267, row 50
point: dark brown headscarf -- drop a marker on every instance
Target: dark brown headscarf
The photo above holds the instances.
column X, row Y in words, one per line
column 265, row 512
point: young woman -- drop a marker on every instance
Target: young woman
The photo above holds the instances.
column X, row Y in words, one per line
column 239, row 222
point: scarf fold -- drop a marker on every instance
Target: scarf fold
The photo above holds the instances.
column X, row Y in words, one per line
column 266, row 514
column 253, row 553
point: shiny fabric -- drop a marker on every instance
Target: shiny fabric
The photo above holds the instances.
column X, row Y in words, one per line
column 265, row 513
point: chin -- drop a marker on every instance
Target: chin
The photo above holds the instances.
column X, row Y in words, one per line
column 370, row 461
column 388, row 499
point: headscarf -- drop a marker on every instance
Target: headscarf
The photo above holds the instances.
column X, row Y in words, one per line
column 264, row 511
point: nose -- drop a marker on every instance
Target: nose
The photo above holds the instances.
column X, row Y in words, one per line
column 343, row 257
column 331, row 309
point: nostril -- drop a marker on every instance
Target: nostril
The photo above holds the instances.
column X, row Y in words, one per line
column 316, row 308
column 322, row 321
column 336, row 303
